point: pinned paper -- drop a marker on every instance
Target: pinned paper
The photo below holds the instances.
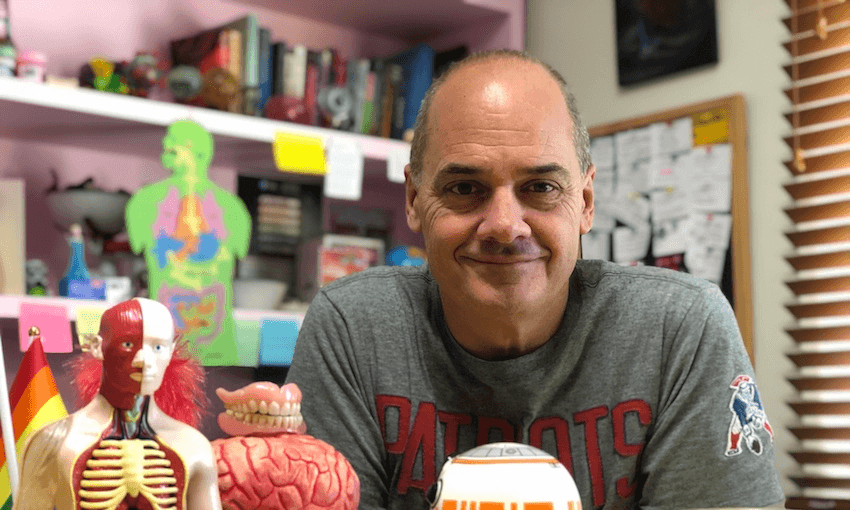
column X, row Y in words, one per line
column 88, row 320
column 596, row 245
column 345, row 170
column 602, row 151
column 711, row 126
column 277, row 342
column 53, row 323
column 247, row 343
column 631, row 243
column 397, row 159
column 298, row 153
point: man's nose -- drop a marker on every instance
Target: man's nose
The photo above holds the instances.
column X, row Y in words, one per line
column 504, row 217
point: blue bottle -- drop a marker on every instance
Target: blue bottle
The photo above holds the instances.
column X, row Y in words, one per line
column 77, row 270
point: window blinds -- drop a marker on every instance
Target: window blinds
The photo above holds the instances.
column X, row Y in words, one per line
column 819, row 186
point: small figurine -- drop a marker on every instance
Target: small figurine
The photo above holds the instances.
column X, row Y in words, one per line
column 143, row 73
column 106, row 77
column 185, row 82
column 271, row 463
column 123, row 449
column 36, row 277
column 77, row 272
column 221, row 90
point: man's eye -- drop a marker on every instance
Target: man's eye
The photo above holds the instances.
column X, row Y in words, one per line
column 127, row 345
column 541, row 187
column 463, row 188
column 158, row 348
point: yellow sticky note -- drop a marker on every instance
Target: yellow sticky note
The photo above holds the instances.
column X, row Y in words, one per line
column 88, row 320
column 711, row 127
column 298, row 153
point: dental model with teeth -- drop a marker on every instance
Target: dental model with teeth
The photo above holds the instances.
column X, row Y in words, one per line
column 121, row 451
column 271, row 463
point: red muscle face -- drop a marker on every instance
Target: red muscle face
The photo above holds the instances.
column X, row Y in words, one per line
column 121, row 330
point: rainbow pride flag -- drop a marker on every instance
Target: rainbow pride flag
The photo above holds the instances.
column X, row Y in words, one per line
column 35, row 402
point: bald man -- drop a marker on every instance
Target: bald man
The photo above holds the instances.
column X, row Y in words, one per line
column 121, row 451
column 626, row 375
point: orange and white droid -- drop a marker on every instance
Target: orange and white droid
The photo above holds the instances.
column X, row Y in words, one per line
column 505, row 476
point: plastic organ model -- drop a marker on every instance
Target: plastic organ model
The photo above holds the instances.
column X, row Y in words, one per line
column 270, row 463
column 505, row 476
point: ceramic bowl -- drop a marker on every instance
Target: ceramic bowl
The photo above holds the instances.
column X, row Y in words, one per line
column 104, row 210
column 258, row 293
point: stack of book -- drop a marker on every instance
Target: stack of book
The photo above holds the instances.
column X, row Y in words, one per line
column 379, row 96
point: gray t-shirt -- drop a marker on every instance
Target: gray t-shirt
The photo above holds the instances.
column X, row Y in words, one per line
column 645, row 393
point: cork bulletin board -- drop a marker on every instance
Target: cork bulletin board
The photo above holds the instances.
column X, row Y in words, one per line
column 672, row 191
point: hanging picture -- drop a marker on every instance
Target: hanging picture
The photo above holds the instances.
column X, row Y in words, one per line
column 656, row 38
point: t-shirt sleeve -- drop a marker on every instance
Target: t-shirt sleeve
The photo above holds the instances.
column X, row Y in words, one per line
column 712, row 444
column 337, row 404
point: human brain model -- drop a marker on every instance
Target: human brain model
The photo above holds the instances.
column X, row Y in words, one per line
column 270, row 463
column 505, row 476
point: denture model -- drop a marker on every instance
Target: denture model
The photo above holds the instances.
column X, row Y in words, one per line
column 270, row 463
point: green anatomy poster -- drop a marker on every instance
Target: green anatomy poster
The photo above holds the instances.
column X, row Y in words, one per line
column 191, row 232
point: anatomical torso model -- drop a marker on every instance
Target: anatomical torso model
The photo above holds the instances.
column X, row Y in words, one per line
column 121, row 450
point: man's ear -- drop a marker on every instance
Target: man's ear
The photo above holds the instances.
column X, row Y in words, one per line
column 93, row 344
column 410, row 194
column 587, row 195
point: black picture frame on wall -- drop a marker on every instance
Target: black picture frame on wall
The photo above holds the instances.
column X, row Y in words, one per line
column 657, row 38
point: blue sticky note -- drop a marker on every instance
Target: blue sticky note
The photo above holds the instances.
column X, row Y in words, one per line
column 247, row 342
column 277, row 341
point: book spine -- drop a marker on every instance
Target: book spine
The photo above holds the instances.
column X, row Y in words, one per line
column 369, row 101
column 265, row 82
column 357, row 71
column 278, row 67
column 295, row 72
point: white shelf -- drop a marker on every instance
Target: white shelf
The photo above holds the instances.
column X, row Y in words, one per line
column 10, row 306
column 114, row 122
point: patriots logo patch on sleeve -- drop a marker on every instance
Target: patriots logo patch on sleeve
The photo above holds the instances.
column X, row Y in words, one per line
column 748, row 418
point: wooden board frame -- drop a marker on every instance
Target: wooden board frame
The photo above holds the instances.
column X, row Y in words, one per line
column 740, row 207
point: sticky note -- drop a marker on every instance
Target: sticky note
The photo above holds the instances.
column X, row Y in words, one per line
column 53, row 323
column 277, row 341
column 298, row 153
column 247, row 343
column 397, row 159
column 88, row 320
column 345, row 170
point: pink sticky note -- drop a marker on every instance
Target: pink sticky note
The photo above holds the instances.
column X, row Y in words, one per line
column 53, row 323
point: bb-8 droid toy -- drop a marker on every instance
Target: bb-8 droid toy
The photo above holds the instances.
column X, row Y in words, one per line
column 504, row 476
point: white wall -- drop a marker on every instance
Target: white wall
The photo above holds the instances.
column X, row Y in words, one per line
column 578, row 38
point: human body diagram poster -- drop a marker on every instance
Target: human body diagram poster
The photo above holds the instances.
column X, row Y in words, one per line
column 191, row 233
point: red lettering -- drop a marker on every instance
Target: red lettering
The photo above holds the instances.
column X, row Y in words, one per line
column 589, row 419
column 453, row 422
column 485, row 425
column 562, row 437
column 382, row 402
column 624, row 448
column 422, row 438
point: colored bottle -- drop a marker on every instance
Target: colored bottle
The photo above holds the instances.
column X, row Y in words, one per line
column 77, row 270
column 8, row 53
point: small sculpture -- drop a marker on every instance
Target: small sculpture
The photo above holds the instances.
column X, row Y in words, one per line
column 270, row 463
column 122, row 450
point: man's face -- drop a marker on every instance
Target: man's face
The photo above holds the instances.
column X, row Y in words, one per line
column 502, row 200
